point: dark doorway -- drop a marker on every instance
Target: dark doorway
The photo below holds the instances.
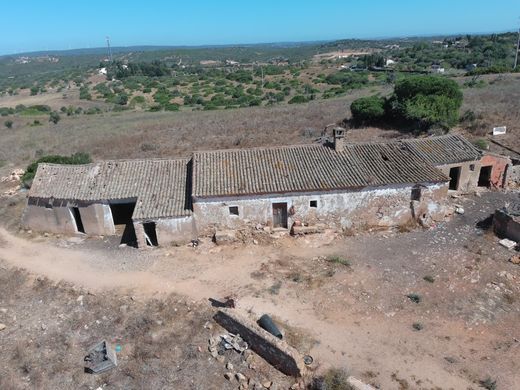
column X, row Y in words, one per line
column 150, row 234
column 77, row 219
column 122, row 216
column 484, row 178
column 416, row 193
column 280, row 215
column 454, row 178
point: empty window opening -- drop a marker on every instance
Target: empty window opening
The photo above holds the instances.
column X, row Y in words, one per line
column 416, row 193
column 454, row 178
column 48, row 206
column 314, row 203
column 233, row 210
column 124, row 226
column 77, row 219
column 472, row 167
column 484, row 178
column 150, row 234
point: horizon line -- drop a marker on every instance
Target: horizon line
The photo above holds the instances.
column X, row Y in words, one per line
column 373, row 38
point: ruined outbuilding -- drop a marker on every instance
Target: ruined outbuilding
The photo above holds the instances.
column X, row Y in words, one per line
column 467, row 167
column 301, row 188
column 506, row 222
column 143, row 201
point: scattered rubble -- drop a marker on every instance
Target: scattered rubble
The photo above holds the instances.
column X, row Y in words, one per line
column 275, row 351
column 100, row 358
column 356, row 384
column 2, row 326
column 308, row 229
column 222, row 237
column 14, row 176
column 459, row 209
column 507, row 243
column 515, row 259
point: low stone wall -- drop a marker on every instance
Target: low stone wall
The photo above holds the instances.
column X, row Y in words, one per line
column 275, row 351
column 507, row 226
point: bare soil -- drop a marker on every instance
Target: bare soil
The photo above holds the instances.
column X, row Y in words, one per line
column 352, row 313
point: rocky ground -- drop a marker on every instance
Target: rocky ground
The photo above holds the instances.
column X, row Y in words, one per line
column 419, row 309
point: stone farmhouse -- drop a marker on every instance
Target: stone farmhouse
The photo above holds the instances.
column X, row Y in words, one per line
column 295, row 188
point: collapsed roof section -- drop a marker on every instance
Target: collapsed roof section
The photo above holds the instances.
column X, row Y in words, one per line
column 159, row 185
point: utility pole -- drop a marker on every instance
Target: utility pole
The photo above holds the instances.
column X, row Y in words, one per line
column 109, row 49
column 517, row 49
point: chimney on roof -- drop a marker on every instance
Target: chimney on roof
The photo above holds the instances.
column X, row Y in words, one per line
column 339, row 139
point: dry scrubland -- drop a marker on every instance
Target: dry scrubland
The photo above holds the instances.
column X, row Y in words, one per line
column 165, row 134
column 424, row 309
column 346, row 296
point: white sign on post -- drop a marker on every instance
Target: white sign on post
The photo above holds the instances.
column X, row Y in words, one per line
column 499, row 130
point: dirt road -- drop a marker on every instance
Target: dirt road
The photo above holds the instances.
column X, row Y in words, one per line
column 357, row 317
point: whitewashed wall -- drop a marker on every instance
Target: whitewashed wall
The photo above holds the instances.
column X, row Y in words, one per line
column 388, row 206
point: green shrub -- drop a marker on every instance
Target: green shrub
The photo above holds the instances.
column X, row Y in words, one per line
column 138, row 99
column 339, row 260
column 429, row 279
column 427, row 101
column 370, row 108
column 347, row 79
column 298, row 99
column 415, row 298
column 8, row 124
column 84, row 94
column 75, row 159
column 488, row 384
column 121, row 99
column 481, row 143
column 92, row 110
column 332, row 379
column 54, row 117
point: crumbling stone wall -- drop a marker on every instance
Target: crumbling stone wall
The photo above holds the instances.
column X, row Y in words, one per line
column 506, row 225
column 385, row 206
column 513, row 176
column 40, row 215
column 170, row 231
column 275, row 351
column 469, row 173
column 500, row 166
column 55, row 216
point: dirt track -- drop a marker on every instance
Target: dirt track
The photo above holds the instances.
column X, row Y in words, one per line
column 356, row 317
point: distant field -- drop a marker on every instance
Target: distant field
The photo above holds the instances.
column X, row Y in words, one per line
column 166, row 134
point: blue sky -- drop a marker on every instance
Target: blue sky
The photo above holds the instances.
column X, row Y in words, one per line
column 52, row 24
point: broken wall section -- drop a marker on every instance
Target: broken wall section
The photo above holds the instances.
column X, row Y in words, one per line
column 275, row 351
column 58, row 216
column 500, row 166
column 169, row 231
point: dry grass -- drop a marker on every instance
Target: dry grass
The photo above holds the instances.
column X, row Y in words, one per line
column 497, row 104
column 44, row 345
column 167, row 134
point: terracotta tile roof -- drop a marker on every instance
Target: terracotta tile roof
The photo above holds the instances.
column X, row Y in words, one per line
column 163, row 187
column 445, row 149
column 158, row 185
column 306, row 168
